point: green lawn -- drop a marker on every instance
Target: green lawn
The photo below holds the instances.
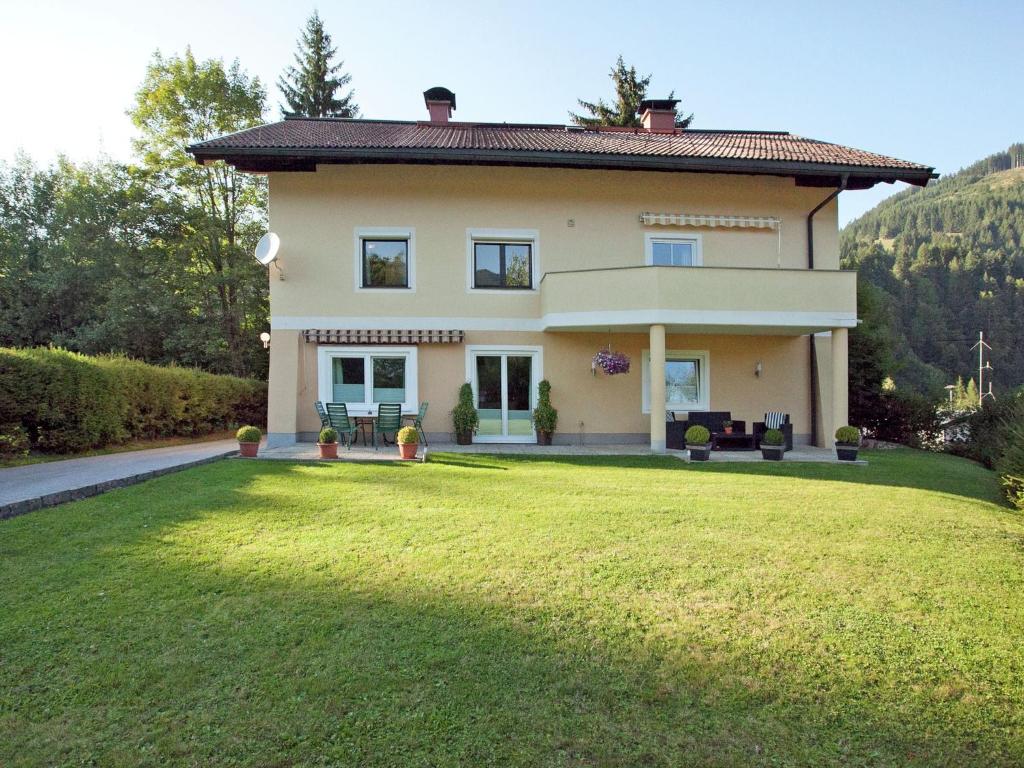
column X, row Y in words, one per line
column 480, row 611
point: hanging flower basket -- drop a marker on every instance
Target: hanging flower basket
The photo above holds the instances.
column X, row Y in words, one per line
column 610, row 362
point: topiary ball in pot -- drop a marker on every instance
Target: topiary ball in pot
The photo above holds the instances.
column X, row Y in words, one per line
column 328, row 443
column 847, row 443
column 248, row 441
column 773, row 445
column 698, row 443
column 408, row 440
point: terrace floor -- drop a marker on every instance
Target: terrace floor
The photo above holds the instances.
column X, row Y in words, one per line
column 359, row 452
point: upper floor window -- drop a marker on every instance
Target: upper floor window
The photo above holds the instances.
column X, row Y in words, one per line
column 384, row 259
column 502, row 265
column 502, row 259
column 675, row 251
column 385, row 263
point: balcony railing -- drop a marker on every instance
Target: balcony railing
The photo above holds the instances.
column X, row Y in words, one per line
column 701, row 299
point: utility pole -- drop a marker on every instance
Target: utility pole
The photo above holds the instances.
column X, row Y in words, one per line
column 983, row 366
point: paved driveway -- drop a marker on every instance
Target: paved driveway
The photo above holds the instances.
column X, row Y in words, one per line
column 38, row 485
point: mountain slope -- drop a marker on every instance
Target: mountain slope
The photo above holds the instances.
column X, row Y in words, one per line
column 943, row 263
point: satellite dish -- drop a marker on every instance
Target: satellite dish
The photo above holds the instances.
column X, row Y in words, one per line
column 266, row 248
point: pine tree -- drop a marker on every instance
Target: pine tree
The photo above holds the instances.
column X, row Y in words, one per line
column 971, row 395
column 630, row 90
column 311, row 88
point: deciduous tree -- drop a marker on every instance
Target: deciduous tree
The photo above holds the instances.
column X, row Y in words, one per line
column 222, row 211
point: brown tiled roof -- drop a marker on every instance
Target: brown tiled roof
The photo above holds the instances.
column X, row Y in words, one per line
column 334, row 140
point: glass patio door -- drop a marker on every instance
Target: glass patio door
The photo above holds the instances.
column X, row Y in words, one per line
column 505, row 389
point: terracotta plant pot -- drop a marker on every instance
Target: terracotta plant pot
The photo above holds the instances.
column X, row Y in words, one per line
column 328, row 450
column 846, row 452
column 248, row 450
column 772, row 452
column 699, row 452
column 407, row 450
column 544, row 438
column 727, row 430
column 464, row 438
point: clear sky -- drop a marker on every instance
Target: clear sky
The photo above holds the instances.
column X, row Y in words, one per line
column 933, row 82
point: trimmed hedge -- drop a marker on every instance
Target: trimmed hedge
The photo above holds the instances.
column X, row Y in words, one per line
column 68, row 402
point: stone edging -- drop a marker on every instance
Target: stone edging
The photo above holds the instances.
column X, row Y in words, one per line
column 16, row 508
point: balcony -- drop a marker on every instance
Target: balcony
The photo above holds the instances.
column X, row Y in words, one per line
column 700, row 300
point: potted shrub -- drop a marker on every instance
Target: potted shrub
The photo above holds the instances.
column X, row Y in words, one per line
column 465, row 418
column 328, row 443
column 773, row 445
column 248, row 441
column 698, row 443
column 545, row 417
column 408, row 440
column 847, row 443
column 727, row 427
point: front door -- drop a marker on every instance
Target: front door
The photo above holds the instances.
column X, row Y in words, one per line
column 505, row 384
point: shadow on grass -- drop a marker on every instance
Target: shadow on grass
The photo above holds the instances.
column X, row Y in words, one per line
column 160, row 650
column 508, row 460
column 900, row 468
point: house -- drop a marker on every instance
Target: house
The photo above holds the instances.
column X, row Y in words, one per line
column 416, row 256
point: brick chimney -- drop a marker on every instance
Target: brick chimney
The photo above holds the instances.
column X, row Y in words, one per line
column 658, row 114
column 440, row 103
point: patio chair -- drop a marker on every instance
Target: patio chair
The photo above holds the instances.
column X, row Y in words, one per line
column 325, row 420
column 389, row 419
column 417, row 421
column 337, row 415
column 774, row 420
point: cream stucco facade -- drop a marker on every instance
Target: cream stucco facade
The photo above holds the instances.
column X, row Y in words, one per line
column 746, row 310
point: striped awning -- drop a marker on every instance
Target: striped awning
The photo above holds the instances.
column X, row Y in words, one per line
column 371, row 336
column 710, row 220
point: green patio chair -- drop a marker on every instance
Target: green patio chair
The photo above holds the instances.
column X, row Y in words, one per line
column 325, row 420
column 417, row 421
column 337, row 415
column 389, row 419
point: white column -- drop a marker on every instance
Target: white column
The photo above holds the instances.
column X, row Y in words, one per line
column 657, row 388
column 840, row 382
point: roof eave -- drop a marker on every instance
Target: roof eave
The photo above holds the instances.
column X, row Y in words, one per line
column 267, row 159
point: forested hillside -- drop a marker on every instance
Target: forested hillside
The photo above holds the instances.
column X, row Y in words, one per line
column 939, row 264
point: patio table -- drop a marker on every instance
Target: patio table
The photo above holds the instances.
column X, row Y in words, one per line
column 366, row 417
column 738, row 441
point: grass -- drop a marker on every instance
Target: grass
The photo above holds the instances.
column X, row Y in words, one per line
column 479, row 610
column 38, row 457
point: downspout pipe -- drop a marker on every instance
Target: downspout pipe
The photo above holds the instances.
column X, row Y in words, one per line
column 810, row 338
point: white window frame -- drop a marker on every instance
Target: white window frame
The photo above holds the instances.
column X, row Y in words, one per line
column 384, row 233
column 536, row 354
column 650, row 238
column 325, row 372
column 480, row 235
column 703, row 385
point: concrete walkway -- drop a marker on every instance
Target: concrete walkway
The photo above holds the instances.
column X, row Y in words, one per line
column 34, row 486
